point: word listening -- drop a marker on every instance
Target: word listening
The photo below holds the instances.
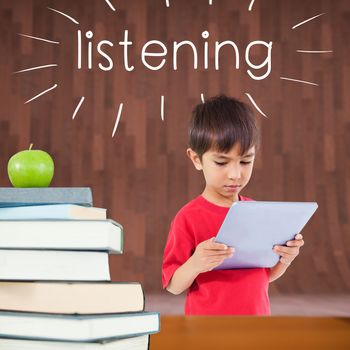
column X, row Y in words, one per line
column 156, row 48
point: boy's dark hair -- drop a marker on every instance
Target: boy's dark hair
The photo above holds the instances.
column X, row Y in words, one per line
column 220, row 123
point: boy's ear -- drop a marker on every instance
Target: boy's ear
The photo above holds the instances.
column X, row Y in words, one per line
column 195, row 158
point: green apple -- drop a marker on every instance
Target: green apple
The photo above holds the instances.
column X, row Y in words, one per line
column 30, row 168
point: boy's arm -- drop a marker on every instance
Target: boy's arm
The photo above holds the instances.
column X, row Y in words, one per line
column 288, row 254
column 277, row 271
column 208, row 254
column 182, row 278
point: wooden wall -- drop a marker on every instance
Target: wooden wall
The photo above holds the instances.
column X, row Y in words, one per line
column 142, row 174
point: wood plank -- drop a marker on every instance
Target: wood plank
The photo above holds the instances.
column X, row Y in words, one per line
column 179, row 332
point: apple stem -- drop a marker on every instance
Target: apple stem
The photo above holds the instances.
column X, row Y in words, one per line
column 30, row 147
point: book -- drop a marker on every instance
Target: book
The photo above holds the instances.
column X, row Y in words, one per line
column 253, row 228
column 14, row 197
column 53, row 265
column 82, row 328
column 53, row 211
column 133, row 343
column 105, row 235
column 72, row 298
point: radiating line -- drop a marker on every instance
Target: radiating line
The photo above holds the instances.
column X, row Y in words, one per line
column 41, row 93
column 110, row 5
column 255, row 105
column 34, row 68
column 78, row 106
column 118, row 118
column 210, row 2
column 167, row 3
column 41, row 39
column 311, row 51
column 162, row 107
column 299, row 81
column 63, row 14
column 251, row 5
column 202, row 98
column 307, row 20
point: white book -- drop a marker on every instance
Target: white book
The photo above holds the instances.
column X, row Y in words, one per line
column 106, row 235
column 53, row 265
column 72, row 297
column 77, row 328
column 133, row 343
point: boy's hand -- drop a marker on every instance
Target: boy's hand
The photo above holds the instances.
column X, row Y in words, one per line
column 209, row 254
column 289, row 253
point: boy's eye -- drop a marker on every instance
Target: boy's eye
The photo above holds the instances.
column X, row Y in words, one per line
column 220, row 163
column 245, row 163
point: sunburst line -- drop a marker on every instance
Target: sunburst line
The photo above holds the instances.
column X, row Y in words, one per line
column 307, row 20
column 202, row 98
column 37, row 67
column 251, row 5
column 255, row 105
column 167, row 4
column 118, row 118
column 110, row 5
column 299, row 81
column 37, row 38
column 210, row 2
column 41, row 93
column 65, row 15
column 162, row 107
column 78, row 107
column 314, row 51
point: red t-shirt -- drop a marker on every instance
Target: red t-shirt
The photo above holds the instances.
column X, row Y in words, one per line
column 216, row 292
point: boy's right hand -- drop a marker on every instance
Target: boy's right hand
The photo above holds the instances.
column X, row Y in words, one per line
column 209, row 254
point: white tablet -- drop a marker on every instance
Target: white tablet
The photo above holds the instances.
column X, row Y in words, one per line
column 254, row 227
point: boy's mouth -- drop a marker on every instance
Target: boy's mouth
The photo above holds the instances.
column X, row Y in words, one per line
column 232, row 187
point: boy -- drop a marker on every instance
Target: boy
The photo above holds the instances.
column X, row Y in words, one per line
column 223, row 139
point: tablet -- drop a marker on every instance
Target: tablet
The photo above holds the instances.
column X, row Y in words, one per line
column 254, row 227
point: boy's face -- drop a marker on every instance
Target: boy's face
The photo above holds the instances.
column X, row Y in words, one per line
column 226, row 174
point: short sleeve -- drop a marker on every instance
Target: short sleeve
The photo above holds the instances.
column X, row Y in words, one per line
column 178, row 249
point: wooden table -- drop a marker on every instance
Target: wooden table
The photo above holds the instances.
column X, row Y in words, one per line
column 283, row 333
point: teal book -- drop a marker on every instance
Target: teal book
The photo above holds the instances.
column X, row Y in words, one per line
column 77, row 328
column 89, row 235
column 52, row 211
column 13, row 197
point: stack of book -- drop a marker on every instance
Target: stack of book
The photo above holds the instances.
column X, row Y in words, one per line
column 55, row 289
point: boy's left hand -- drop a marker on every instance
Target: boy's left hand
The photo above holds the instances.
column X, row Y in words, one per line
column 289, row 252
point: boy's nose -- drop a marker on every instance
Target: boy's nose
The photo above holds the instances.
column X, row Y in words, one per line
column 234, row 173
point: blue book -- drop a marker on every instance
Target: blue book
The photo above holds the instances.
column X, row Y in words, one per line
column 52, row 211
column 14, row 197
